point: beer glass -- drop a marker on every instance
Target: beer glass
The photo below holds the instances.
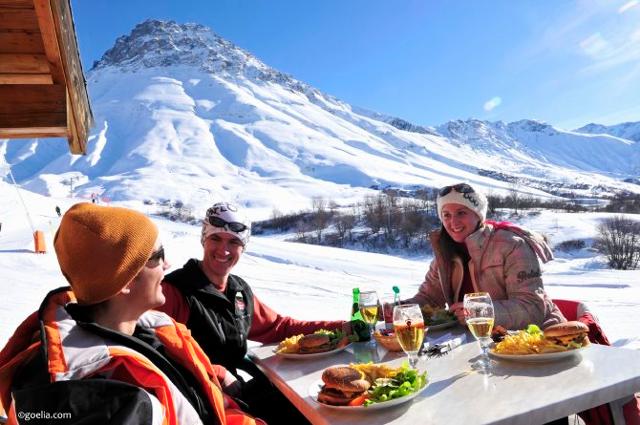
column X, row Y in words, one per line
column 478, row 312
column 408, row 326
column 368, row 305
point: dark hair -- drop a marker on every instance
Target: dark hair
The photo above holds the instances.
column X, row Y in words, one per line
column 447, row 245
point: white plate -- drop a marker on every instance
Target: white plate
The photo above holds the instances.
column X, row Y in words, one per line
column 533, row 358
column 314, row 389
column 299, row 356
column 441, row 326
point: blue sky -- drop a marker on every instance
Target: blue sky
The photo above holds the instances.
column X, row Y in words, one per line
column 564, row 62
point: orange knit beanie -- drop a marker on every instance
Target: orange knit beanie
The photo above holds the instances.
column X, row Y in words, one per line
column 101, row 249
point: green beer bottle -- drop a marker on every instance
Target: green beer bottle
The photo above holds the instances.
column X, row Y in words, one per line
column 355, row 305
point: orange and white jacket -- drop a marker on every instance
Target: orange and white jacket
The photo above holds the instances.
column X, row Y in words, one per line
column 86, row 369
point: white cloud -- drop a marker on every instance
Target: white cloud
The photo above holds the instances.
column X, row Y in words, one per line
column 623, row 52
column 492, row 103
column 628, row 5
column 560, row 33
column 594, row 44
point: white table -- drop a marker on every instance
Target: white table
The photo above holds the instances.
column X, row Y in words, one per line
column 514, row 393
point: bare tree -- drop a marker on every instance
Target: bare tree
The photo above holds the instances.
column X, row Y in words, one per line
column 344, row 224
column 412, row 222
column 373, row 213
column 333, row 206
column 391, row 216
column 427, row 198
column 301, row 231
column 619, row 239
column 514, row 194
column 320, row 216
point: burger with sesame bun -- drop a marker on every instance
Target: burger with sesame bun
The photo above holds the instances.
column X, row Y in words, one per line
column 342, row 385
column 571, row 335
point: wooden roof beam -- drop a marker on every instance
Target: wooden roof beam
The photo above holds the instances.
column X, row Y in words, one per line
column 21, row 41
column 16, row 63
column 33, row 111
column 26, row 79
column 17, row 19
column 16, row 4
column 50, row 40
column 61, row 49
column 32, row 132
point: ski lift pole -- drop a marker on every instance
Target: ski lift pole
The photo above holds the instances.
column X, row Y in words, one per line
column 33, row 230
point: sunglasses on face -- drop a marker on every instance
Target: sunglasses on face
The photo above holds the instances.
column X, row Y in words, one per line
column 460, row 188
column 234, row 226
column 155, row 257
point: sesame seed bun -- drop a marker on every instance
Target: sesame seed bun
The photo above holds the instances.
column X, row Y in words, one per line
column 566, row 328
column 341, row 385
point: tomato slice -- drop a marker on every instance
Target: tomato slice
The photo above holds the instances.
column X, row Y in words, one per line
column 359, row 401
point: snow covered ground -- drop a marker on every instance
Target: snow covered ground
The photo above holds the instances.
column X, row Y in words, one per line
column 308, row 281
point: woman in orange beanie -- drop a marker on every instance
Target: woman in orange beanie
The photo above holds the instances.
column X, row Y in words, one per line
column 97, row 350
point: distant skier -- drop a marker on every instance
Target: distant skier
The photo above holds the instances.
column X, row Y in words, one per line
column 58, row 211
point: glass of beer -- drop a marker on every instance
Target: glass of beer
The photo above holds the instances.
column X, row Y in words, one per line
column 368, row 305
column 408, row 326
column 478, row 312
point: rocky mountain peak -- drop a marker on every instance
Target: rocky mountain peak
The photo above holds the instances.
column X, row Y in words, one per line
column 160, row 44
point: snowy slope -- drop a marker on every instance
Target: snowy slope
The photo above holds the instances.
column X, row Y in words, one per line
column 627, row 130
column 201, row 119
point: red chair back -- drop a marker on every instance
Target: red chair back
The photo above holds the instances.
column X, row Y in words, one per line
column 575, row 310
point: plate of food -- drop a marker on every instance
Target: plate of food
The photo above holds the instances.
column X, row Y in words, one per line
column 438, row 318
column 318, row 344
column 369, row 386
column 533, row 345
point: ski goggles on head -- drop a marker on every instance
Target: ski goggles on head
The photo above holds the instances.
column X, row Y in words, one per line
column 460, row 188
column 233, row 226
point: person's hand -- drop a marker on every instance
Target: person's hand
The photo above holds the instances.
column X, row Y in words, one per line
column 234, row 390
column 458, row 310
column 231, row 385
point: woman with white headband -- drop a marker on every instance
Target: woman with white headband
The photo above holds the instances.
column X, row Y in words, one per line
column 472, row 254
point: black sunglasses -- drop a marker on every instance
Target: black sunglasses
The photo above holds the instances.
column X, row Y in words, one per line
column 234, row 226
column 460, row 188
column 156, row 257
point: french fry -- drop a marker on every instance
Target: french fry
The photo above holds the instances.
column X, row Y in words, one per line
column 524, row 343
column 373, row 371
column 290, row 345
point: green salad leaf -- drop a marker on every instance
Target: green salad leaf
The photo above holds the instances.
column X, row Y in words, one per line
column 336, row 335
column 533, row 329
column 405, row 382
column 437, row 317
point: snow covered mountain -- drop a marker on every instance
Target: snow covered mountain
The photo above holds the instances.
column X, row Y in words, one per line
column 627, row 130
column 183, row 114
